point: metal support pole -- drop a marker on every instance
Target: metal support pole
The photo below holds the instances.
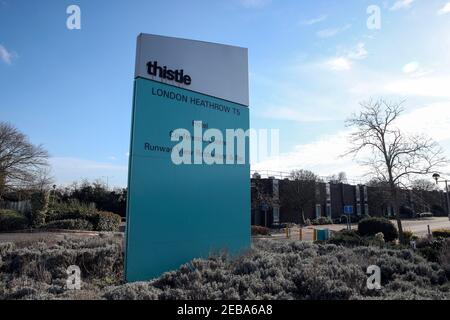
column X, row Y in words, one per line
column 448, row 202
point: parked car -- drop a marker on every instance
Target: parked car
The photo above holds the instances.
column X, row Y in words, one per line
column 425, row 215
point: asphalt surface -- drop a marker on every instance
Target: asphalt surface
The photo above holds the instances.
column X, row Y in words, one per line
column 419, row 227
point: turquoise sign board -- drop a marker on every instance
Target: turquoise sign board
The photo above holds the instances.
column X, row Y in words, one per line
column 178, row 212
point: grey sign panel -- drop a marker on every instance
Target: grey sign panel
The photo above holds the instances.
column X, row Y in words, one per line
column 214, row 69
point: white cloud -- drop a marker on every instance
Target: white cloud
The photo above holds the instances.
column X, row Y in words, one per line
column 401, row 4
column 344, row 62
column 445, row 9
column 113, row 158
column 410, row 67
column 255, row 3
column 5, row 55
column 292, row 114
column 339, row 64
column 358, row 53
column 424, row 87
column 413, row 69
column 315, row 20
column 324, row 155
column 331, row 32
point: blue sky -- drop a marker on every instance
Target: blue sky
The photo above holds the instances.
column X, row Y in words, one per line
column 311, row 62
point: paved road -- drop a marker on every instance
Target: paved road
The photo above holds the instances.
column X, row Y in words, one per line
column 419, row 227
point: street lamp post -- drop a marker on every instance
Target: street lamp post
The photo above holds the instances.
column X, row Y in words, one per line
column 436, row 177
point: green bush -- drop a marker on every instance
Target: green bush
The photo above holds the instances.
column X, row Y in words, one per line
column 39, row 208
column 371, row 226
column 107, row 221
column 70, row 224
column 441, row 233
column 72, row 209
column 11, row 220
column 321, row 221
column 346, row 238
column 259, row 230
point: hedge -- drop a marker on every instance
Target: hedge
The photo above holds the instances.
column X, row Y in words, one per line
column 11, row 220
column 70, row 224
column 441, row 233
column 107, row 221
column 321, row 221
column 372, row 226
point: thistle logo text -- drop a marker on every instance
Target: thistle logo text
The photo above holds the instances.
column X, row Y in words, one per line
column 164, row 73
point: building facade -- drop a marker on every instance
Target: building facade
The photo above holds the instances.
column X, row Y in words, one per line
column 276, row 201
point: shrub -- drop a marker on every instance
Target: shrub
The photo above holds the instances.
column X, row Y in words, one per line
column 371, row 226
column 321, row 221
column 70, row 224
column 409, row 236
column 430, row 249
column 39, row 208
column 72, row 209
column 346, row 238
column 444, row 257
column 441, row 233
column 107, row 221
column 259, row 230
column 11, row 220
column 270, row 270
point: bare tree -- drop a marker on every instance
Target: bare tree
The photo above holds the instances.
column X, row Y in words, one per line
column 341, row 177
column 301, row 191
column 394, row 156
column 43, row 179
column 424, row 185
column 20, row 161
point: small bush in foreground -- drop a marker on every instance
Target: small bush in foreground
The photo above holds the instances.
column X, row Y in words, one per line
column 270, row 270
column 11, row 220
column 371, row 226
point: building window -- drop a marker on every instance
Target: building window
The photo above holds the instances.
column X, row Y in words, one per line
column 358, row 209
column 329, row 210
column 276, row 215
column 275, row 189
column 318, row 211
column 358, row 193
column 328, row 190
column 366, row 209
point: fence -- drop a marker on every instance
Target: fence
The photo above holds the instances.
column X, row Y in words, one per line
column 21, row 206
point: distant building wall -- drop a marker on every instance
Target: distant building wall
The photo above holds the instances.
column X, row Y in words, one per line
column 329, row 200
